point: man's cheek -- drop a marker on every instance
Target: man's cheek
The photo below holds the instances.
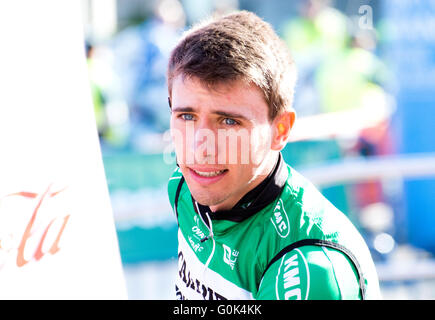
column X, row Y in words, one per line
column 178, row 143
column 182, row 139
column 234, row 146
column 260, row 144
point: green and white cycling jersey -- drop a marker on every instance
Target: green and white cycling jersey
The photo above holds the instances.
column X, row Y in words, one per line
column 283, row 240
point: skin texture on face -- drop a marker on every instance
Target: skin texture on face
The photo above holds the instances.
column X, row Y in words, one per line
column 224, row 140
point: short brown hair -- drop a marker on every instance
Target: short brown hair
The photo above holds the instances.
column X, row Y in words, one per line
column 238, row 46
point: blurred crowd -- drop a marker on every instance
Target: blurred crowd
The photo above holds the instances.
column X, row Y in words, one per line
column 127, row 75
column 338, row 69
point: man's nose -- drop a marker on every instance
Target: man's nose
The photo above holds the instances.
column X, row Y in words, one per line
column 204, row 143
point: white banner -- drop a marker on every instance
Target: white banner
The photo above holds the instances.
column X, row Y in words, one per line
column 57, row 234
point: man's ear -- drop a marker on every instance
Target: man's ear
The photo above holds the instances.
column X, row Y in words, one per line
column 281, row 127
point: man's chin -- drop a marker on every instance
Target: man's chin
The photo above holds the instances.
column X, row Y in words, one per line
column 207, row 200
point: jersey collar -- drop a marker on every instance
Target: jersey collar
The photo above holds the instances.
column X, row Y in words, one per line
column 255, row 200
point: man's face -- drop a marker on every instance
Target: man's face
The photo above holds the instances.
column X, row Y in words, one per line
column 222, row 139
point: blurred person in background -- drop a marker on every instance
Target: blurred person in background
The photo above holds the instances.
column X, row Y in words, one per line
column 339, row 72
column 98, row 97
column 317, row 34
column 254, row 229
column 111, row 113
column 140, row 57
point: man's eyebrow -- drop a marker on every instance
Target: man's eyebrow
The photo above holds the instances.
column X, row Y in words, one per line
column 217, row 112
column 229, row 114
column 183, row 109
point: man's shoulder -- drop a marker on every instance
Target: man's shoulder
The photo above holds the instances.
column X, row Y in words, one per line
column 310, row 272
column 302, row 212
column 306, row 207
column 312, row 216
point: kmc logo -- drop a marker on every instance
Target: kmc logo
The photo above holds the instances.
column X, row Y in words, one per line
column 280, row 220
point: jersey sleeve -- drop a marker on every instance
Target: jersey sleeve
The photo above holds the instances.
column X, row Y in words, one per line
column 173, row 182
column 310, row 273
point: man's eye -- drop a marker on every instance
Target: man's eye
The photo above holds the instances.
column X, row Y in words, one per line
column 186, row 116
column 230, row 122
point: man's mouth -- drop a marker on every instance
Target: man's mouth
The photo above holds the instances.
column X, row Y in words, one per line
column 209, row 173
column 207, row 176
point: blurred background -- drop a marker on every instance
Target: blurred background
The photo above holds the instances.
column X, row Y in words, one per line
column 365, row 100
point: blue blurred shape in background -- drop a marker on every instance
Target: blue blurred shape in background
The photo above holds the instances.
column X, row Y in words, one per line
column 411, row 52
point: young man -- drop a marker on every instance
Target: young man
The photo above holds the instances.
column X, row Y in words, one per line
column 250, row 226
